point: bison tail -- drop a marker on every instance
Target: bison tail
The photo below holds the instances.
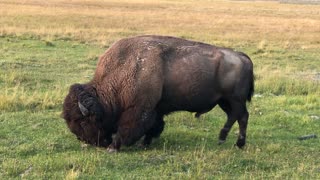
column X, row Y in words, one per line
column 251, row 88
column 251, row 77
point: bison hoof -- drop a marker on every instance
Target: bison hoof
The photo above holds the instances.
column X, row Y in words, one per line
column 240, row 143
column 221, row 141
column 143, row 146
column 112, row 150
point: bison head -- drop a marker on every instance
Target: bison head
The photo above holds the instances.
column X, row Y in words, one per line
column 86, row 116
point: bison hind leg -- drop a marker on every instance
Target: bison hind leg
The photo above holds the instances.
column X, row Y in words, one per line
column 226, row 107
column 235, row 110
column 243, row 122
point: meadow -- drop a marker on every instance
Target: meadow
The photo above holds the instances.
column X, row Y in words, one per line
column 45, row 46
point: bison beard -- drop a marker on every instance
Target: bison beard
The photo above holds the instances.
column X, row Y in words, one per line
column 139, row 80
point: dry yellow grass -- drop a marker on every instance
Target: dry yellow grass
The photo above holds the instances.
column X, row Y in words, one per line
column 105, row 21
column 269, row 28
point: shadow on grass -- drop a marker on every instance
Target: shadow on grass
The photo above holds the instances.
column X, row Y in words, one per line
column 183, row 141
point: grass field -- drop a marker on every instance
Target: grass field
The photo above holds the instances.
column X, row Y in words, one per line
column 45, row 46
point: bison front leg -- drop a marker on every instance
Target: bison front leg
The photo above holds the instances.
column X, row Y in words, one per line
column 132, row 126
column 154, row 131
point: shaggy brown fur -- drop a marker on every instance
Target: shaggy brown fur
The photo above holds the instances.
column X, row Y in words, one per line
column 139, row 80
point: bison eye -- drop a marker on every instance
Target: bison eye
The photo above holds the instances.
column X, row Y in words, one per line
column 83, row 125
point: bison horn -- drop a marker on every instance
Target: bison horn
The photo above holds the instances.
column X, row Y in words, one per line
column 83, row 109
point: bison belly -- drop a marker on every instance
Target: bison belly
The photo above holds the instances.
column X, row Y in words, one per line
column 190, row 85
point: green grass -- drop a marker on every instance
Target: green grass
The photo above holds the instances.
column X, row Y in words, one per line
column 37, row 67
column 35, row 142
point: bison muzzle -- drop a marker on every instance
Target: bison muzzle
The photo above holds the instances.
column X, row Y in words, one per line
column 141, row 79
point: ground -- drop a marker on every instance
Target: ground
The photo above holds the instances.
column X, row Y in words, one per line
column 47, row 46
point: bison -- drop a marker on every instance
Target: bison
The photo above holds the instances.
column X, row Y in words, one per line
column 141, row 79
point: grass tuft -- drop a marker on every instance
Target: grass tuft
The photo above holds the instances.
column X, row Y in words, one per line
column 49, row 43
